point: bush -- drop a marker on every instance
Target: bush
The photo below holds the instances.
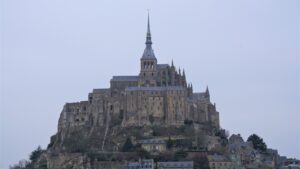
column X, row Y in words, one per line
column 169, row 143
column 188, row 122
column 179, row 155
column 143, row 153
column 36, row 154
column 128, row 146
column 23, row 164
column 52, row 140
column 258, row 143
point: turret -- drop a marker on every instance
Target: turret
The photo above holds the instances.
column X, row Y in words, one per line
column 207, row 95
column 183, row 78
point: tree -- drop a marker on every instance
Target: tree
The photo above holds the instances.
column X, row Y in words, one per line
column 180, row 154
column 151, row 118
column 36, row 154
column 143, row 153
column 22, row 164
column 258, row 143
column 169, row 143
column 128, row 146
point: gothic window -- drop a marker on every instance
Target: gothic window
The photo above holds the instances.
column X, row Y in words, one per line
column 152, row 74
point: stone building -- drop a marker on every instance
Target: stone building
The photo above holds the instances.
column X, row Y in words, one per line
column 219, row 162
column 153, row 145
column 141, row 164
column 158, row 95
column 175, row 165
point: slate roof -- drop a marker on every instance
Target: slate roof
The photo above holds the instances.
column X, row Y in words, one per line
column 218, row 158
column 162, row 66
column 125, row 78
column 143, row 164
column 154, row 88
column 100, row 90
column 176, row 164
column 148, row 53
column 152, row 141
column 199, row 96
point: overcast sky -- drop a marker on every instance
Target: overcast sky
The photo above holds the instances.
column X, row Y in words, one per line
column 54, row 51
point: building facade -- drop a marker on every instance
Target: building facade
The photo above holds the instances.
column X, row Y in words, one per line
column 175, row 165
column 158, row 95
column 153, row 145
column 141, row 164
column 219, row 162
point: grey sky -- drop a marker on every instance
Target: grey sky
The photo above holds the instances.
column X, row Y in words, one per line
column 57, row 51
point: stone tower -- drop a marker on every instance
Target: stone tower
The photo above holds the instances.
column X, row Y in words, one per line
column 148, row 62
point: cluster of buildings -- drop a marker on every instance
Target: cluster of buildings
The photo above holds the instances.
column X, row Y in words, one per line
column 241, row 155
column 158, row 95
column 150, row 164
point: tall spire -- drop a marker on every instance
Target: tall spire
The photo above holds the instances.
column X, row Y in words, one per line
column 148, row 52
column 148, row 38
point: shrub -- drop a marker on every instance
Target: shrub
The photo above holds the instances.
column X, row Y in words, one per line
column 128, row 146
column 258, row 143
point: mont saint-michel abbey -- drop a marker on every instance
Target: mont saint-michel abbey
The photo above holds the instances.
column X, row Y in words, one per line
column 158, row 95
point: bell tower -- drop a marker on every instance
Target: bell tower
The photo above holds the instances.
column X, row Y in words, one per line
column 148, row 71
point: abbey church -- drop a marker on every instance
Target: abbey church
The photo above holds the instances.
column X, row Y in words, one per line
column 158, row 95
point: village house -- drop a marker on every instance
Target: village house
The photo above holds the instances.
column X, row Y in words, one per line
column 175, row 165
column 219, row 162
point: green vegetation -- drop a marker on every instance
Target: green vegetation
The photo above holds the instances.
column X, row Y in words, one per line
column 36, row 154
column 143, row 153
column 52, row 140
column 128, row 146
column 35, row 161
column 188, row 122
column 180, row 155
column 223, row 135
column 258, row 143
column 151, row 118
column 169, row 143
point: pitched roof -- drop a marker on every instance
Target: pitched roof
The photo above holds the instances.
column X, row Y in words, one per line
column 176, row 164
column 154, row 88
column 162, row 66
column 152, row 141
column 125, row 78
